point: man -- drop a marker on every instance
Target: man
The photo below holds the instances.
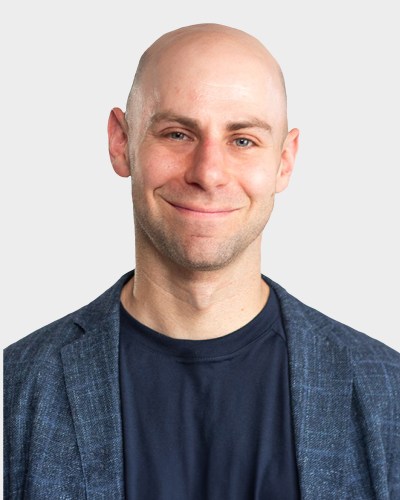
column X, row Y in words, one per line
column 194, row 376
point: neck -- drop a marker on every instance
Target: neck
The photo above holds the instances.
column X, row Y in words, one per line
column 196, row 305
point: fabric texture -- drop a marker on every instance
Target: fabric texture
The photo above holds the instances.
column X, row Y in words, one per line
column 62, row 422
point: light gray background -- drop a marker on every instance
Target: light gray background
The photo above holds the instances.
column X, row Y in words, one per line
column 67, row 232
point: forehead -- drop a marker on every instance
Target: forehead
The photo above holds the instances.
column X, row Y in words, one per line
column 207, row 78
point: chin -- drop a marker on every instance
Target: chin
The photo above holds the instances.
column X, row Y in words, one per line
column 198, row 262
column 192, row 265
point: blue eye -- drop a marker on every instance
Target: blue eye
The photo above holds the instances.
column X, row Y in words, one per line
column 242, row 142
column 178, row 136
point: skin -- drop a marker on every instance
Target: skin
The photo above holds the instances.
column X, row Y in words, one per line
column 205, row 142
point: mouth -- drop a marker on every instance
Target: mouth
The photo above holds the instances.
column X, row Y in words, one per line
column 202, row 211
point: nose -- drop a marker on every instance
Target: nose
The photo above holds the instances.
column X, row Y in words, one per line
column 208, row 168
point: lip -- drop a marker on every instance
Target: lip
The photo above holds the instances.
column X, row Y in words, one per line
column 201, row 211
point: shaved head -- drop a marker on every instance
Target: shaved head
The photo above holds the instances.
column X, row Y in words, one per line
column 206, row 144
column 213, row 44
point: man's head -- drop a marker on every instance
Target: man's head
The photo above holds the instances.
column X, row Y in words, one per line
column 205, row 140
column 191, row 43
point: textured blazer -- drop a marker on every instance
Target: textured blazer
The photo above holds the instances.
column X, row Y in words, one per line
column 63, row 435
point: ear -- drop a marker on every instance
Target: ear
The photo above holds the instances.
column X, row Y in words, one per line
column 118, row 142
column 288, row 156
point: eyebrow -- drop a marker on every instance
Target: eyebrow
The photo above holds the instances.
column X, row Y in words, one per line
column 252, row 123
column 194, row 124
column 171, row 117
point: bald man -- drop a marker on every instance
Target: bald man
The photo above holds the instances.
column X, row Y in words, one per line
column 194, row 376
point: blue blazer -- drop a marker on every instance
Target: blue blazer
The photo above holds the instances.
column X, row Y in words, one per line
column 63, row 436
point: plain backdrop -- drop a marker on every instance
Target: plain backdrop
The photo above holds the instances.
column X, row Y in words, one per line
column 67, row 230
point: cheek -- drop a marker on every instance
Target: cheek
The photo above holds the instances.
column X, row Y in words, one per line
column 152, row 170
column 259, row 183
column 160, row 170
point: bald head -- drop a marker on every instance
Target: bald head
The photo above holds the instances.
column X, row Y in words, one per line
column 205, row 142
column 205, row 48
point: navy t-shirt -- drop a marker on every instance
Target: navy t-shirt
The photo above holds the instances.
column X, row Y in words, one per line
column 208, row 419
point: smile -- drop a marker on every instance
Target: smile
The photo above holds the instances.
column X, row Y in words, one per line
column 201, row 211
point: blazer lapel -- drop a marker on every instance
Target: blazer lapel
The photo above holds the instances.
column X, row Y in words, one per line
column 321, row 388
column 91, row 370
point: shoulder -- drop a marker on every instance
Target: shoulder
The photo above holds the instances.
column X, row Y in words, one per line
column 329, row 350
column 45, row 344
column 362, row 345
column 365, row 351
column 375, row 366
column 41, row 344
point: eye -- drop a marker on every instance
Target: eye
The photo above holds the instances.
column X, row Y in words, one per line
column 177, row 136
column 242, row 142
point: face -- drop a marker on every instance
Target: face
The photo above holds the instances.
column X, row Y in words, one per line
column 208, row 156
